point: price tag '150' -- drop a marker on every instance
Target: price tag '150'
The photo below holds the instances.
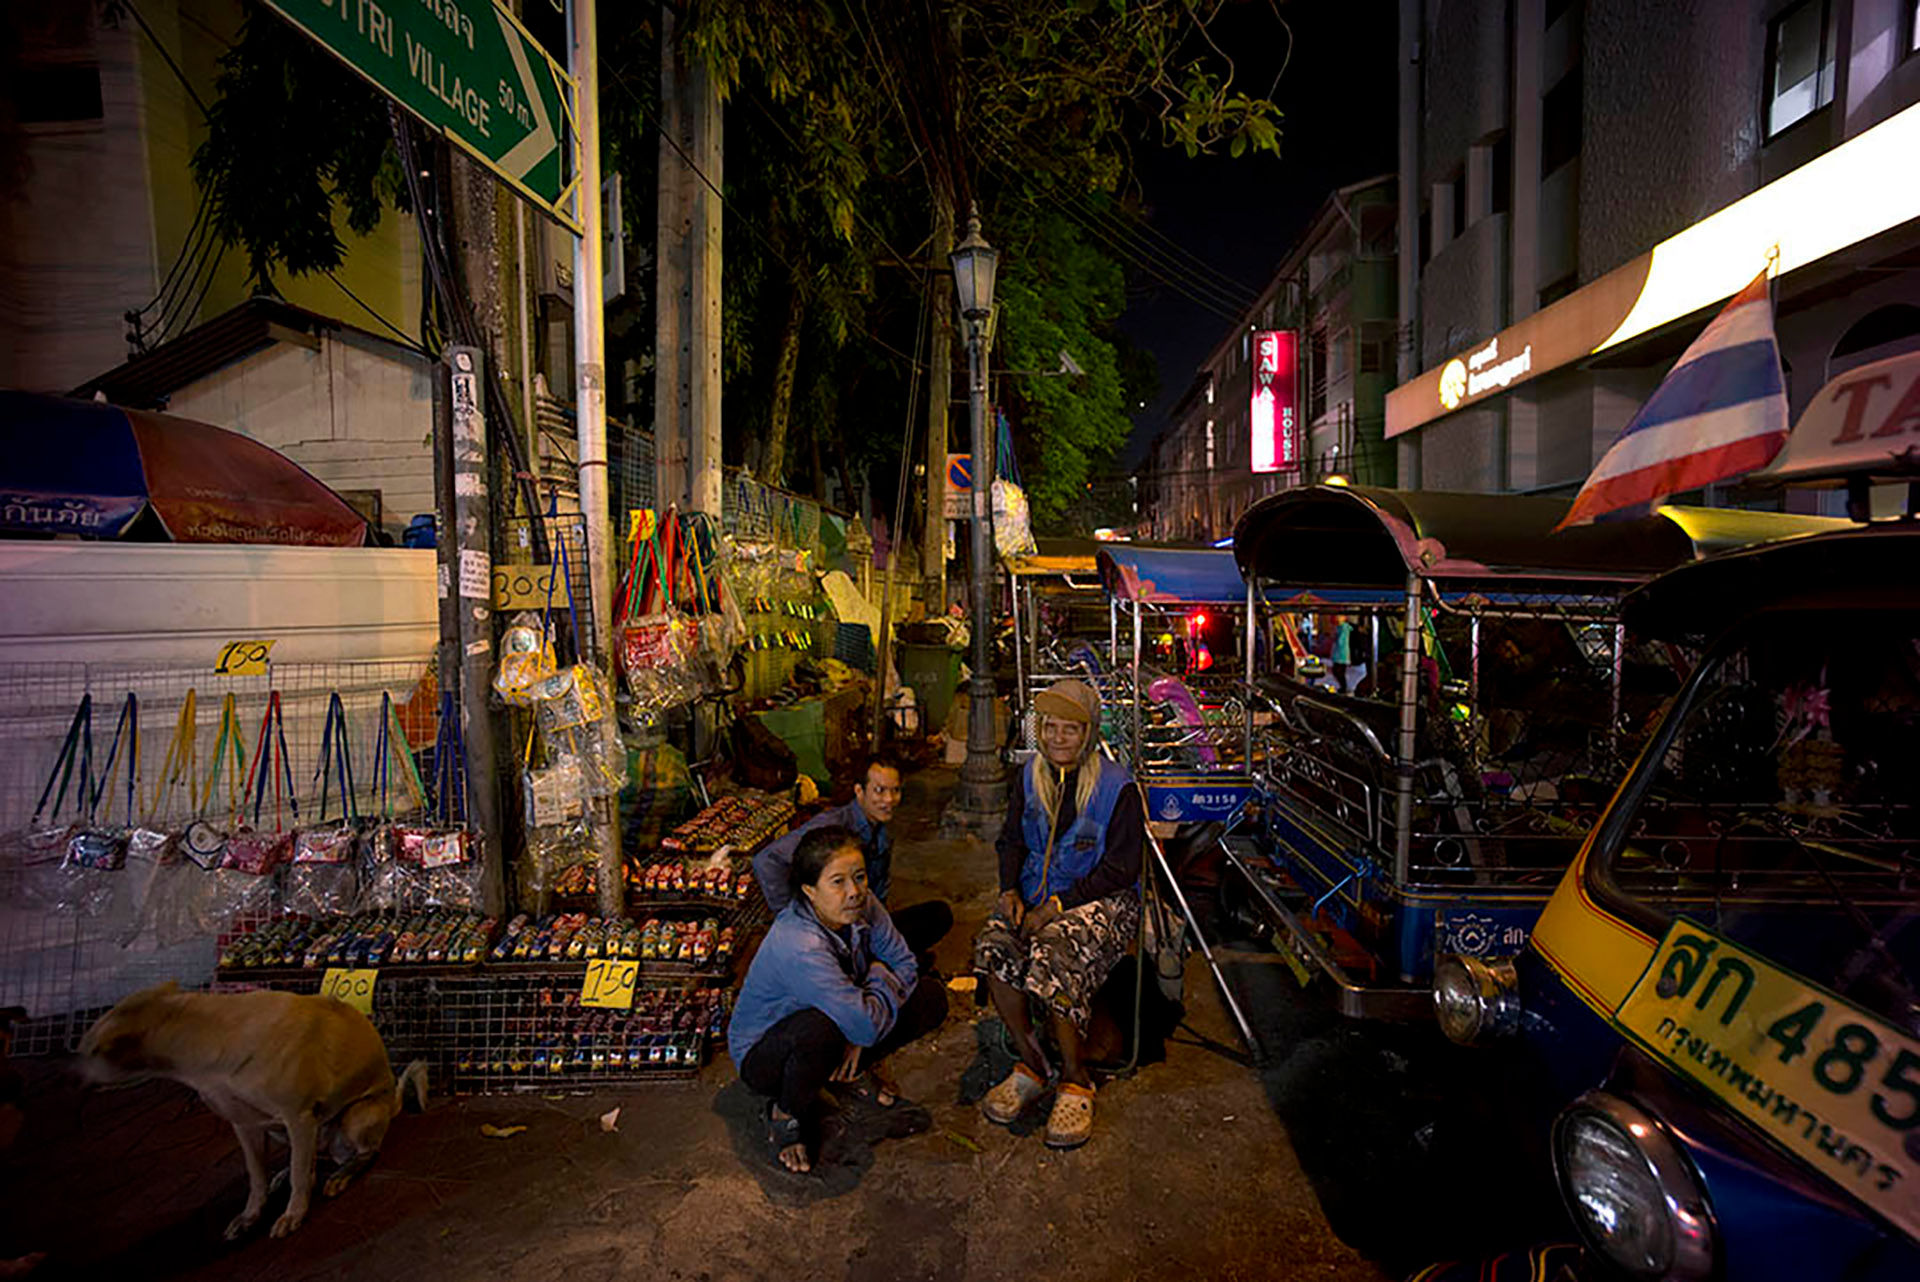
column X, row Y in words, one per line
column 354, row 987
column 609, row 984
column 243, row 658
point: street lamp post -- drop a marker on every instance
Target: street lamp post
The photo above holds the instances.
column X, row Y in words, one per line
column 981, row 799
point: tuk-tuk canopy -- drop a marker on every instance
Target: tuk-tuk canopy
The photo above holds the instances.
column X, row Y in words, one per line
column 1057, row 557
column 1171, row 576
column 1360, row 537
column 1861, row 565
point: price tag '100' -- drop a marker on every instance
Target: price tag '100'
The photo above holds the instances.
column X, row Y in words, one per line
column 354, row 987
column 609, row 984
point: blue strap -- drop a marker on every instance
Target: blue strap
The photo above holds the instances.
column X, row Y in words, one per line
column 77, row 747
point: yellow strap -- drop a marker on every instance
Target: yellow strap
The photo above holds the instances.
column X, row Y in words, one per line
column 181, row 762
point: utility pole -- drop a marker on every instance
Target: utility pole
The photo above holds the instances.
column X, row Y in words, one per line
column 466, row 589
column 687, row 305
column 933, row 543
column 589, row 322
column 590, row 402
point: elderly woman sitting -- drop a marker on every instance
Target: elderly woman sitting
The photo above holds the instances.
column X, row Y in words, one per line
column 833, row 989
column 1069, row 905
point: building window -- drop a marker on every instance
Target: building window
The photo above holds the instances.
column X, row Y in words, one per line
column 56, row 93
column 1800, row 54
column 1460, row 202
column 1317, row 375
column 1913, row 26
column 1426, row 234
column 1562, row 122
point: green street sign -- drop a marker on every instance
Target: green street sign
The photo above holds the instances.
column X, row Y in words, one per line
column 468, row 68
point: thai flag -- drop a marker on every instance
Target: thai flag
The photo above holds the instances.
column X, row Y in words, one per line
column 1721, row 412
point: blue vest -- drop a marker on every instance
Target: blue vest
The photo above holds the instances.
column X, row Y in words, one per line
column 1078, row 847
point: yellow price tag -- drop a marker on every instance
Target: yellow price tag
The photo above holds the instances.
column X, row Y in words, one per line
column 354, row 987
column 609, row 984
column 243, row 658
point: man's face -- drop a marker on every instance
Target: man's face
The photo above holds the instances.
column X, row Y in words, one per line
column 879, row 794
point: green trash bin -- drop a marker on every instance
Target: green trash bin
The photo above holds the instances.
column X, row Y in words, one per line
column 802, row 727
column 933, row 671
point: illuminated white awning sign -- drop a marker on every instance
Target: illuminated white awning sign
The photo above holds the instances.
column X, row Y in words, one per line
column 1861, row 188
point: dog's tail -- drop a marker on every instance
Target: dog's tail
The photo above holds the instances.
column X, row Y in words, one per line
column 414, row 1075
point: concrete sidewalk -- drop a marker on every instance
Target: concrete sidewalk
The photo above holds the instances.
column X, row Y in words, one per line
column 1190, row 1172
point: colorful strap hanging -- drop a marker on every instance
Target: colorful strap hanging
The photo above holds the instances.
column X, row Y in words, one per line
column 391, row 742
column 336, row 757
column 273, row 740
column 182, row 761
column 77, row 749
column 450, row 764
column 126, row 732
column 229, row 733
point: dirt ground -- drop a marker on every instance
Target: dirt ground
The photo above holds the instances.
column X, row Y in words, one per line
column 1195, row 1168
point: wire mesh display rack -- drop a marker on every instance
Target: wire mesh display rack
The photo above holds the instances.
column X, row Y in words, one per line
column 73, row 945
column 530, row 1032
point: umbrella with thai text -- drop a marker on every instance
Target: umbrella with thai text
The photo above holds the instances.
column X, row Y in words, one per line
column 98, row 471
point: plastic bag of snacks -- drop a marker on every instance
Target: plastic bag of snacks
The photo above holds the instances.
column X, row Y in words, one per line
column 526, row 660
column 324, row 877
column 386, row 880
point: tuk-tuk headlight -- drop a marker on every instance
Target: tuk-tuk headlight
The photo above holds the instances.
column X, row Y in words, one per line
column 1632, row 1193
column 1475, row 997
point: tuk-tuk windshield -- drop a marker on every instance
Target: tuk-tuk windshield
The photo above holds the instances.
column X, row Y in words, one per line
column 1784, row 808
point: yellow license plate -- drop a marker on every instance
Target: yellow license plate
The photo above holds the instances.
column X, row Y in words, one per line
column 1834, row 1085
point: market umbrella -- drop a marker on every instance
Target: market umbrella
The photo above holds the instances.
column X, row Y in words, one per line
column 103, row 472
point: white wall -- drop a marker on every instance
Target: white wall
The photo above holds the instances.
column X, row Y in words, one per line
column 356, row 413
column 178, row 604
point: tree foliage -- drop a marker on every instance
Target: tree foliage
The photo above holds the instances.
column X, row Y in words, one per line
column 291, row 134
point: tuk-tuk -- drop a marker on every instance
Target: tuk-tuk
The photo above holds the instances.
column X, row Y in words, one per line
column 1452, row 697
column 1724, row 990
column 1174, row 714
column 1060, row 626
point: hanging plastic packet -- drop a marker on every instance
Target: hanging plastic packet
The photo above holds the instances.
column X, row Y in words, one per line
column 253, row 850
column 324, row 880
column 526, row 660
column 386, row 881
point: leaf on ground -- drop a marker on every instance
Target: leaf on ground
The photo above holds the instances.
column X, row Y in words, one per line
column 610, row 1121
column 963, row 983
column 493, row 1132
column 963, row 1141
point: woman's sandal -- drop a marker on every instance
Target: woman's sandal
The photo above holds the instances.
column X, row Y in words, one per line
column 876, row 1088
column 782, row 1134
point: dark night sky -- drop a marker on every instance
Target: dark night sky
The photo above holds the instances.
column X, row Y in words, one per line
column 1338, row 99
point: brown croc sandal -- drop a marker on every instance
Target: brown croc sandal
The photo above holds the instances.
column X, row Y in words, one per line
column 1071, row 1123
column 1005, row 1102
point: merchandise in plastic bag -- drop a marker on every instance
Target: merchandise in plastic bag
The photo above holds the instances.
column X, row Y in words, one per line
column 256, row 853
column 320, row 889
column 554, row 792
column 526, row 660
column 386, row 881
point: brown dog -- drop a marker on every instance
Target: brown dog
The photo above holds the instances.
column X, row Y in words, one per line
column 311, row 1067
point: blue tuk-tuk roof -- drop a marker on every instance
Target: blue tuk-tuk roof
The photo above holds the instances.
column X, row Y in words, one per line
column 1171, row 576
column 1362, row 537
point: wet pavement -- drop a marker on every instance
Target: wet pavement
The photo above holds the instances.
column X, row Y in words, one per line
column 1201, row 1165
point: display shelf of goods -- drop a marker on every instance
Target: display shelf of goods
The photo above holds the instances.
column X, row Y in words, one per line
column 439, row 939
column 531, row 1032
column 692, row 947
column 742, row 822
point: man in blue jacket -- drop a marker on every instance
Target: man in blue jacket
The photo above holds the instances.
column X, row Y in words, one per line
column 875, row 798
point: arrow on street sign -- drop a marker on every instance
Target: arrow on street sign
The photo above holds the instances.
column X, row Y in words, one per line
column 469, row 69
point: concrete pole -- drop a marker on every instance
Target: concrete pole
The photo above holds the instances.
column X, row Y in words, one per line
column 589, row 325
column 590, row 407
column 466, row 602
